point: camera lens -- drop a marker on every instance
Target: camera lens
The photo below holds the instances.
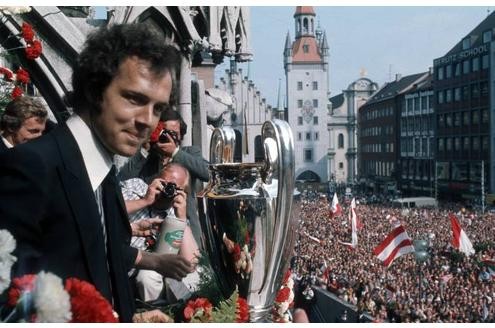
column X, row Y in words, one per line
column 169, row 190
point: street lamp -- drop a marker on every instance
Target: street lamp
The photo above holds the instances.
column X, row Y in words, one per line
column 421, row 254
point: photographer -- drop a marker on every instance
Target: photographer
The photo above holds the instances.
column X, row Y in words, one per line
column 164, row 199
column 165, row 147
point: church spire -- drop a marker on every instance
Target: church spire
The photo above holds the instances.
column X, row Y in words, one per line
column 305, row 21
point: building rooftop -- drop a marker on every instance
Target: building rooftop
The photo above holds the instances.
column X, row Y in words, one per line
column 312, row 54
column 394, row 88
column 304, row 10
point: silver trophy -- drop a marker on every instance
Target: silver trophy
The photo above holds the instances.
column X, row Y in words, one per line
column 245, row 215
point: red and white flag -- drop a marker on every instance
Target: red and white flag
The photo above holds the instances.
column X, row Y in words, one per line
column 396, row 244
column 359, row 225
column 460, row 240
column 336, row 209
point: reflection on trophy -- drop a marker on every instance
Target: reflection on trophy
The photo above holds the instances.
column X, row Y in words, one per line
column 245, row 214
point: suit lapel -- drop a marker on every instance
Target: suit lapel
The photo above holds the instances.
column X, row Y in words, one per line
column 75, row 182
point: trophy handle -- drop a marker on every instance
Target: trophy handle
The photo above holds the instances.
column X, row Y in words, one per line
column 279, row 168
column 222, row 145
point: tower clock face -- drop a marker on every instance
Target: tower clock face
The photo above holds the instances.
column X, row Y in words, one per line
column 307, row 111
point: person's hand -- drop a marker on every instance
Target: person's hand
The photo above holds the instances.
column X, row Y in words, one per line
column 145, row 227
column 153, row 192
column 180, row 204
column 151, row 316
column 167, row 148
column 173, row 266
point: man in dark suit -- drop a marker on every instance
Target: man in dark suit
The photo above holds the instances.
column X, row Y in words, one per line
column 59, row 195
column 24, row 119
column 170, row 150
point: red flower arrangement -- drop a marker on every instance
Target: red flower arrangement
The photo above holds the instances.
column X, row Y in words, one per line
column 20, row 285
column 7, row 73
column 27, row 32
column 17, row 92
column 242, row 310
column 283, row 295
column 156, row 133
column 22, row 75
column 87, row 304
column 33, row 50
column 200, row 308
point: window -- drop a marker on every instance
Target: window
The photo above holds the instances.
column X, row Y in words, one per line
column 465, row 143
column 484, row 116
column 315, row 120
column 457, row 143
column 308, row 155
column 299, row 120
column 317, row 136
column 341, row 140
column 299, row 103
column 476, row 64
column 299, row 85
column 457, row 94
column 448, row 95
column 465, row 118
column 305, row 48
column 341, row 165
column 441, row 144
column 476, row 143
column 430, row 101
column 484, row 143
column 466, row 43
column 315, row 103
column 465, row 92
column 457, row 119
column 484, row 89
column 315, row 85
column 448, row 144
column 487, row 36
column 485, row 61
column 441, row 121
column 423, row 103
column 308, row 135
column 475, row 90
column 440, row 97
column 448, row 71
column 448, row 120
column 409, row 105
column 299, row 136
column 457, row 70
column 465, row 66
column 440, row 73
column 475, row 117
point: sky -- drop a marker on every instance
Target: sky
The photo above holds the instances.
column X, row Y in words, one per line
column 384, row 41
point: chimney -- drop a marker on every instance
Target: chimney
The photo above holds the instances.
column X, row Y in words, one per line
column 397, row 77
column 430, row 70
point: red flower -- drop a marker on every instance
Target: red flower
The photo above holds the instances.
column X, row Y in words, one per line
column 87, row 304
column 17, row 92
column 22, row 75
column 7, row 73
column 20, row 285
column 33, row 50
column 156, row 133
column 283, row 295
column 27, row 32
column 237, row 252
column 199, row 304
column 242, row 310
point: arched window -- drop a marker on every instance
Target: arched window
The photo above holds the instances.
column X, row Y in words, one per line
column 341, row 140
column 238, row 147
column 298, row 27
column 305, row 26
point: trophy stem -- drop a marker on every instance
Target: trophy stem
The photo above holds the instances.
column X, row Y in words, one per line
column 260, row 314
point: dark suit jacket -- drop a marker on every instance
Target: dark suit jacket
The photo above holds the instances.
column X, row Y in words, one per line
column 47, row 203
column 3, row 147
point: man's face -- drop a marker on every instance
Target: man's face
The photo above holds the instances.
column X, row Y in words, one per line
column 171, row 175
column 174, row 126
column 30, row 129
column 131, row 106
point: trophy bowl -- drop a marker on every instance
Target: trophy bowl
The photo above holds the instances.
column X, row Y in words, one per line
column 245, row 215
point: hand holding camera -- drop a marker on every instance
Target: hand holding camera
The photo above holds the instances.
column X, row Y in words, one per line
column 168, row 141
column 172, row 191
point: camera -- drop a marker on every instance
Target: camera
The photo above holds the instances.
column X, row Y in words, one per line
column 169, row 190
column 163, row 136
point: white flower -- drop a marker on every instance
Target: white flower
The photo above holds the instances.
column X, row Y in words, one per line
column 6, row 263
column 7, row 243
column 51, row 301
column 290, row 283
column 14, row 10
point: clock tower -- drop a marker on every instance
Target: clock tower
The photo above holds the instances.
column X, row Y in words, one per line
column 307, row 89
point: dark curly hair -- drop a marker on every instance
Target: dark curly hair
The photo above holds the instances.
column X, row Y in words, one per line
column 170, row 114
column 106, row 49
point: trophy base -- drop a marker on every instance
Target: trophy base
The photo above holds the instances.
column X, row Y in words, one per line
column 260, row 315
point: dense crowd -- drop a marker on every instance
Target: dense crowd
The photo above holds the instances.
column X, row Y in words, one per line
column 453, row 288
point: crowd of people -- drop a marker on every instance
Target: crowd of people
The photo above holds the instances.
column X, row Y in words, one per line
column 447, row 287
